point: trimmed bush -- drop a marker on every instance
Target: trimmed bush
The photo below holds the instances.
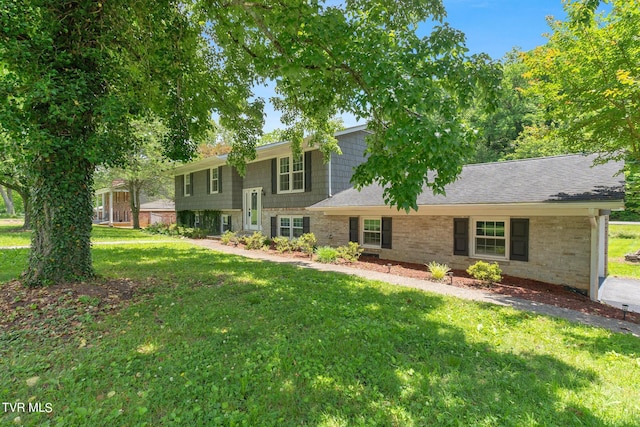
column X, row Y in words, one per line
column 255, row 241
column 327, row 254
column 438, row 271
column 351, row 252
column 488, row 273
column 229, row 238
column 306, row 243
column 282, row 244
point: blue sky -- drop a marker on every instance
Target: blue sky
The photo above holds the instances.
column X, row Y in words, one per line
column 490, row 26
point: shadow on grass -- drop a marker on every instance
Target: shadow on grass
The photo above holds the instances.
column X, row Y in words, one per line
column 232, row 341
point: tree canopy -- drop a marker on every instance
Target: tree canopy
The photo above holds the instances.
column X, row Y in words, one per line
column 73, row 73
column 588, row 74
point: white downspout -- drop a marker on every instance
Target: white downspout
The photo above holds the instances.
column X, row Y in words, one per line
column 594, row 282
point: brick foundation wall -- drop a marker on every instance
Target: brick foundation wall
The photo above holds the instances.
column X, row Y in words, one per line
column 559, row 247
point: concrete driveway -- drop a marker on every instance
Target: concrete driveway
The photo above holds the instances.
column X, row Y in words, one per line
column 616, row 291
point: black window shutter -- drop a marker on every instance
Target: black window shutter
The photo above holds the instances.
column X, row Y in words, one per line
column 353, row 229
column 519, row 243
column 192, row 181
column 274, row 226
column 307, row 171
column 306, row 224
column 461, row 236
column 219, row 179
column 274, row 176
column 386, row 233
column 208, row 181
column 180, row 185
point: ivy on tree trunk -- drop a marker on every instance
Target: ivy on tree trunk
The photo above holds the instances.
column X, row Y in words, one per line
column 61, row 208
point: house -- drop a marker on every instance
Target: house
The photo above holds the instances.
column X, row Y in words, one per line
column 277, row 188
column 113, row 207
column 544, row 219
column 160, row 211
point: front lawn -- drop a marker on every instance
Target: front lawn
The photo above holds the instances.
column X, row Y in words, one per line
column 217, row 339
column 12, row 235
column 623, row 239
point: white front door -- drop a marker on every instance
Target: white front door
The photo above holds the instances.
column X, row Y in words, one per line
column 251, row 208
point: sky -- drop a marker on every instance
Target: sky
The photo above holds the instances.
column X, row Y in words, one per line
column 490, row 26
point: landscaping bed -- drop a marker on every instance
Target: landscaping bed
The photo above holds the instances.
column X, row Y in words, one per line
column 532, row 290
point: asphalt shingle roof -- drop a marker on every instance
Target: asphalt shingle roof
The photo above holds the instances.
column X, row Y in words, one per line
column 567, row 178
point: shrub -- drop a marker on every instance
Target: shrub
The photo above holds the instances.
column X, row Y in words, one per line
column 255, row 241
column 196, row 233
column 306, row 243
column 282, row 244
column 351, row 252
column 229, row 238
column 327, row 254
column 489, row 273
column 438, row 271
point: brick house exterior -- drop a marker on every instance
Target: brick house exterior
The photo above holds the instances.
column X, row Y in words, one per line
column 544, row 219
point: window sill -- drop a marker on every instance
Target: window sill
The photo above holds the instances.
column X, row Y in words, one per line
column 291, row 191
column 488, row 257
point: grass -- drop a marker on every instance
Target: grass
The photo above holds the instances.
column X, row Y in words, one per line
column 623, row 239
column 12, row 235
column 224, row 340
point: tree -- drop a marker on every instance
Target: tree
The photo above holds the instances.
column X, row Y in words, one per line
column 7, row 198
column 73, row 74
column 514, row 112
column 13, row 174
column 588, row 74
column 144, row 168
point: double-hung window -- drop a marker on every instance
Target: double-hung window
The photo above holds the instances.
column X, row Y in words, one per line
column 187, row 184
column 490, row 238
column 214, row 180
column 291, row 227
column 372, row 232
column 291, row 174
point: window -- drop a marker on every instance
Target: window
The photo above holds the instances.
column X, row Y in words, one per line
column 490, row 238
column 187, row 184
column 225, row 224
column 371, row 232
column 214, row 181
column 291, row 174
column 291, row 227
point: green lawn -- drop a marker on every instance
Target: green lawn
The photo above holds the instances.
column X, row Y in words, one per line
column 12, row 235
column 623, row 239
column 224, row 340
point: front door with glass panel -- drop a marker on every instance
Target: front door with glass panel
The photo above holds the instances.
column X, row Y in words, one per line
column 251, row 208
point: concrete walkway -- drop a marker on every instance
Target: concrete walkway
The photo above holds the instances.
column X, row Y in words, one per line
column 616, row 291
column 440, row 288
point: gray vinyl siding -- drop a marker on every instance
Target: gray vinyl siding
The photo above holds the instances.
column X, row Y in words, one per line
column 259, row 175
column 342, row 166
column 229, row 198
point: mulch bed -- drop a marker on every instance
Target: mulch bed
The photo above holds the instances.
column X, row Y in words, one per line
column 60, row 311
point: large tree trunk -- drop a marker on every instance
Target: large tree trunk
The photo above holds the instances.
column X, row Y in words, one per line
column 61, row 211
column 134, row 202
column 7, row 196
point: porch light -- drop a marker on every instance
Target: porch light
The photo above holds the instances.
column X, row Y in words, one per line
column 625, row 309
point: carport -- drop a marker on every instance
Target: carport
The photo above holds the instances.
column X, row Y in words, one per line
column 616, row 291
